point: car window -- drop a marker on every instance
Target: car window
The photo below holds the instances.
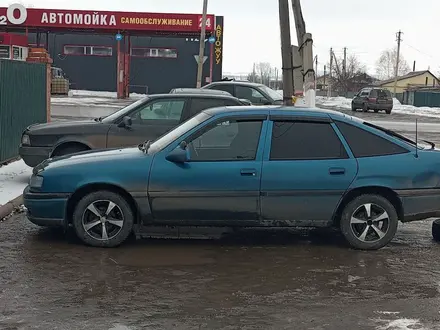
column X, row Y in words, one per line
column 228, row 140
column 200, row 104
column 373, row 93
column 366, row 144
column 223, row 87
column 383, row 93
column 305, row 140
column 365, row 93
column 251, row 94
column 167, row 111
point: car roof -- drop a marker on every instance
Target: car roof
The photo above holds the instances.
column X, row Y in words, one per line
column 280, row 110
column 198, row 91
column 189, row 95
column 236, row 82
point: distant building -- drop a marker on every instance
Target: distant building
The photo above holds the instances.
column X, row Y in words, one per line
column 411, row 80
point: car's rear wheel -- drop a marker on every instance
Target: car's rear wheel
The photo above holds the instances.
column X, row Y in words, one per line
column 436, row 230
column 369, row 222
column 388, row 111
column 376, row 110
column 365, row 107
column 103, row 219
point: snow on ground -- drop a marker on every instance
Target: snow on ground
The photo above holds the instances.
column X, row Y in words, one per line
column 93, row 98
column 345, row 103
column 14, row 177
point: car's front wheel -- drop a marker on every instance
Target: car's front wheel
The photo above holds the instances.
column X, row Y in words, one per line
column 103, row 219
column 369, row 222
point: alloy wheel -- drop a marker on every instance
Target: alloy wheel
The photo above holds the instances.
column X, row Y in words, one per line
column 370, row 223
column 102, row 220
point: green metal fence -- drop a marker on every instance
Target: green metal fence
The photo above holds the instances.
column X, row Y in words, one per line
column 23, row 101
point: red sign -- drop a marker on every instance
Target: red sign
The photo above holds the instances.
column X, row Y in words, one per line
column 18, row 15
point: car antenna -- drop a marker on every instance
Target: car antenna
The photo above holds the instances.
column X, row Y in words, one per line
column 417, row 145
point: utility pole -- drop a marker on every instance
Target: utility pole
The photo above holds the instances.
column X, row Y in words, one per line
column 414, row 66
column 286, row 51
column 344, row 65
column 316, row 69
column 396, row 72
column 330, row 73
column 325, row 73
column 202, row 45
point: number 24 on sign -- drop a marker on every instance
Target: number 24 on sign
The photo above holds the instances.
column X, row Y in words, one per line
column 208, row 22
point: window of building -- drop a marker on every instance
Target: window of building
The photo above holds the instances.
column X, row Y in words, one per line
column 228, row 140
column 4, row 52
column 305, row 141
column 365, row 144
column 154, row 52
column 88, row 50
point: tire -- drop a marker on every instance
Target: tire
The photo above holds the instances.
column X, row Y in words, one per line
column 376, row 111
column 436, row 230
column 356, row 209
column 117, row 230
column 353, row 107
column 365, row 107
column 64, row 151
column 388, row 112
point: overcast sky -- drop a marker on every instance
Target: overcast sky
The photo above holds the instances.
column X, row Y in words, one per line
column 252, row 29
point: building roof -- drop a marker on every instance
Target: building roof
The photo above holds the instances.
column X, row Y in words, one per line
column 406, row 76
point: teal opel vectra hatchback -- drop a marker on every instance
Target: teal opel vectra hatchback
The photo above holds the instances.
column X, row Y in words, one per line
column 264, row 166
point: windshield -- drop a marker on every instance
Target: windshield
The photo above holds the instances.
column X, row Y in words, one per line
column 272, row 94
column 111, row 118
column 169, row 137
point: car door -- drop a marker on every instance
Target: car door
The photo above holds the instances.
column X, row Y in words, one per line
column 220, row 183
column 306, row 171
column 149, row 121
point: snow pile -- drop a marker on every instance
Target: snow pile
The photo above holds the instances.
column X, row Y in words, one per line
column 94, row 99
column 14, row 177
column 342, row 103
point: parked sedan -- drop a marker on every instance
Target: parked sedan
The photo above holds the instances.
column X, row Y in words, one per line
column 147, row 118
column 244, row 167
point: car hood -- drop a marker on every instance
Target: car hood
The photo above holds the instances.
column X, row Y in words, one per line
column 91, row 157
column 62, row 126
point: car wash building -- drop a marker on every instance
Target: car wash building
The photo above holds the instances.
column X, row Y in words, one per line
column 119, row 51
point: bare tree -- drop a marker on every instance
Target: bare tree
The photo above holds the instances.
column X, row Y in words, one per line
column 351, row 77
column 386, row 64
column 264, row 71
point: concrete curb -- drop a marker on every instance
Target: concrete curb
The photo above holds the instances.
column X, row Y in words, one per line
column 10, row 206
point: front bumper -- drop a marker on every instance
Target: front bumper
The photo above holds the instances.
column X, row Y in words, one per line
column 33, row 156
column 45, row 209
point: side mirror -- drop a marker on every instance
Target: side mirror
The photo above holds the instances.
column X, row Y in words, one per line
column 178, row 155
column 126, row 122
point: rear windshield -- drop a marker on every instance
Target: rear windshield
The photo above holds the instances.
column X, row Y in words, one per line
column 383, row 93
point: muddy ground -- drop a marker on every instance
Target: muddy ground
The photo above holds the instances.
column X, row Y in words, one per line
column 253, row 280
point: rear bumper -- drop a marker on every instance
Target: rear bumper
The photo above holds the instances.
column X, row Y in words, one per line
column 378, row 106
column 45, row 209
column 420, row 204
column 33, row 156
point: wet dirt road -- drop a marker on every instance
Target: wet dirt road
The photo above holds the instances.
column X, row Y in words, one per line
column 256, row 280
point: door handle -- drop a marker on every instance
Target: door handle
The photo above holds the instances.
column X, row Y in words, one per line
column 336, row 170
column 248, row 172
